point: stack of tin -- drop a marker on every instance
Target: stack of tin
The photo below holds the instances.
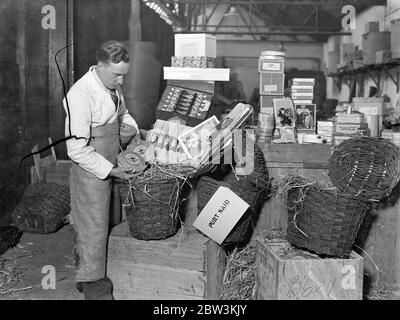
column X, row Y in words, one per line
column 271, row 66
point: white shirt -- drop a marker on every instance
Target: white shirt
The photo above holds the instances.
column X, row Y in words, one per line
column 90, row 105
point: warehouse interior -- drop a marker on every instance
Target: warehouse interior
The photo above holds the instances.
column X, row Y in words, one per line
column 247, row 59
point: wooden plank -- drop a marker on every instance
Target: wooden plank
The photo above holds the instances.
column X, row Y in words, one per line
column 297, row 275
column 126, row 275
column 216, row 261
column 183, row 250
column 295, row 153
column 145, row 294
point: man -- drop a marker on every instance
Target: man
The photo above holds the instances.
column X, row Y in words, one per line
column 96, row 108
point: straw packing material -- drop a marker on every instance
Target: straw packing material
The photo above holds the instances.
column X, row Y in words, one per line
column 240, row 275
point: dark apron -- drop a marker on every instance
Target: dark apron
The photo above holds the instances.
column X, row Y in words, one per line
column 91, row 200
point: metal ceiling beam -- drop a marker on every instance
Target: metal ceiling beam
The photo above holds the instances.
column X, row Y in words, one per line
column 262, row 2
column 289, row 33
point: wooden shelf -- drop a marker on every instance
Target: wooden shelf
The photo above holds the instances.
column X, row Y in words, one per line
column 374, row 71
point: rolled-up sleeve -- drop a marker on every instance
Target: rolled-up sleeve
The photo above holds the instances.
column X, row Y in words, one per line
column 79, row 116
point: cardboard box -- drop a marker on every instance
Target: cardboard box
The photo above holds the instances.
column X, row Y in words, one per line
column 302, row 89
column 369, row 109
column 333, row 61
column 368, row 100
column 349, row 129
column 187, row 266
column 220, row 214
column 394, row 38
column 200, row 74
column 196, row 45
column 382, row 56
column 192, row 62
column 302, row 82
column 267, row 101
column 350, row 118
column 372, row 26
column 346, row 52
column 272, row 83
column 271, row 65
column 286, row 273
column 372, row 43
column 176, row 91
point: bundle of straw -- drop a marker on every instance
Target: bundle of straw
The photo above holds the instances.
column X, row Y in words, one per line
column 239, row 276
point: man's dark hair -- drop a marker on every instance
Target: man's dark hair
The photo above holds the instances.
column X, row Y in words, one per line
column 112, row 51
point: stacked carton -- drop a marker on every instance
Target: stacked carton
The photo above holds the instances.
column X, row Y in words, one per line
column 349, row 125
column 302, row 90
column 271, row 66
column 190, row 79
column 372, row 108
column 326, row 129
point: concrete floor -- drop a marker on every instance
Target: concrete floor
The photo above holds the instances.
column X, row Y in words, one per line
column 26, row 262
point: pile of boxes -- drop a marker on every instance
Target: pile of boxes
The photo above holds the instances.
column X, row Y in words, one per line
column 372, row 108
column 271, row 67
column 375, row 44
column 302, row 90
column 349, row 125
column 190, row 79
column 326, row 129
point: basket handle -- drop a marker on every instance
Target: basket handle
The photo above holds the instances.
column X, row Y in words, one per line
column 294, row 219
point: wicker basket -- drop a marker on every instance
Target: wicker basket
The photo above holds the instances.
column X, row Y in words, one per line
column 365, row 167
column 207, row 187
column 43, row 208
column 325, row 222
column 152, row 212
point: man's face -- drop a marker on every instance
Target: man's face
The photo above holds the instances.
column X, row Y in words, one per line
column 111, row 74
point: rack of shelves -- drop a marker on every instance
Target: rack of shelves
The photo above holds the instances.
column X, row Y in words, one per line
column 375, row 71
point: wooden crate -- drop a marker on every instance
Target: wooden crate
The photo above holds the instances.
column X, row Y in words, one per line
column 187, row 266
column 286, row 273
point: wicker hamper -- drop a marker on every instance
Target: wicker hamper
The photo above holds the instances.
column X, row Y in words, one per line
column 207, row 187
column 365, row 167
column 43, row 208
column 152, row 212
column 324, row 221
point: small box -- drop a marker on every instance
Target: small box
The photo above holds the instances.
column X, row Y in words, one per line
column 373, row 42
column 302, row 89
column 346, row 52
column 187, row 266
column 369, row 109
column 189, row 101
column 349, row 129
column 272, row 83
column 350, row 118
column 267, row 101
column 302, row 101
column 271, row 65
column 367, row 100
column 200, row 44
column 192, row 62
column 394, row 38
column 372, row 26
column 382, row 56
column 302, row 82
column 199, row 74
column 286, row 273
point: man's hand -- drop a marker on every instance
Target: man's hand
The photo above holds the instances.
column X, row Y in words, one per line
column 121, row 173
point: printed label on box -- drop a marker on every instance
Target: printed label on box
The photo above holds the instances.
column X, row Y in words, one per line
column 270, row 88
column 270, row 66
column 220, row 214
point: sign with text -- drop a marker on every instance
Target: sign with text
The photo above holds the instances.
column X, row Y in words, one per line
column 220, row 214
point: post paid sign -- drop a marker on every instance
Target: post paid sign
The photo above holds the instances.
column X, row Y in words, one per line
column 220, row 214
